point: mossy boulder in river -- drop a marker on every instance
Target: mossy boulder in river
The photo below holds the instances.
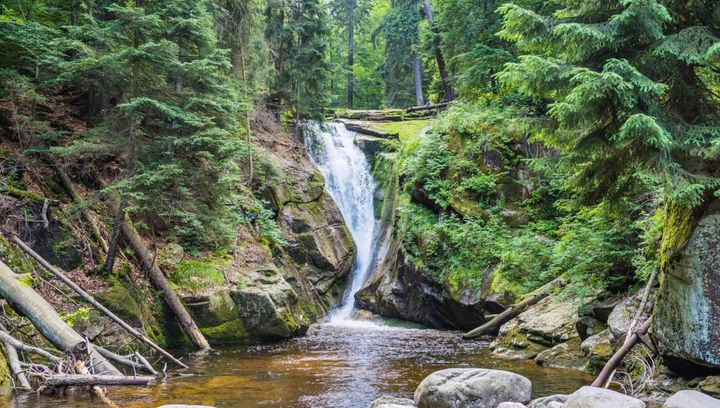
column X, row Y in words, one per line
column 686, row 321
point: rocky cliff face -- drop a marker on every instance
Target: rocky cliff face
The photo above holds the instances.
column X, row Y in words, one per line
column 277, row 292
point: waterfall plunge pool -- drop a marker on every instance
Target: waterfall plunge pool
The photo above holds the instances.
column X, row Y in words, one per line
column 341, row 362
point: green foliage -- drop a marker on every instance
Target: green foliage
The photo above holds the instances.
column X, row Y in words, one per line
column 79, row 316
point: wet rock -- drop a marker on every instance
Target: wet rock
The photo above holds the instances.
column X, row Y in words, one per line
column 587, row 326
column 391, row 402
column 471, row 387
column 687, row 316
column 691, row 399
column 593, row 397
column 622, row 315
column 565, row 355
column 553, row 401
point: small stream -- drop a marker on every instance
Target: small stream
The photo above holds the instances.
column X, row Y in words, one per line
column 341, row 362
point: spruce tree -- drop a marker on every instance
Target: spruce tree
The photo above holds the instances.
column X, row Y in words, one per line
column 171, row 121
column 630, row 88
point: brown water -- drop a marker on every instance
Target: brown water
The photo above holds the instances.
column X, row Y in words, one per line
column 332, row 366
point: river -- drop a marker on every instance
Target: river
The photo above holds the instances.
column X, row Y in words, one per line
column 340, row 362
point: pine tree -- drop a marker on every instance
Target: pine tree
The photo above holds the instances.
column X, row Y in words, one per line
column 402, row 71
column 171, row 123
column 298, row 35
column 630, row 88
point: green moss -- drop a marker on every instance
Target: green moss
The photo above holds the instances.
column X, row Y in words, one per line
column 197, row 274
column 680, row 221
column 228, row 332
column 407, row 130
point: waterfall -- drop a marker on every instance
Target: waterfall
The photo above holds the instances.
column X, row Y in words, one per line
column 349, row 182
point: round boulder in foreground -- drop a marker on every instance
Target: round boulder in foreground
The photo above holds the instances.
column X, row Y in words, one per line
column 694, row 399
column 593, row 397
column 471, row 388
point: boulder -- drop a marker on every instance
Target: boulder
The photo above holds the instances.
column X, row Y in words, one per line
column 710, row 385
column 622, row 315
column 565, row 355
column 686, row 323
column 391, row 402
column 511, row 405
column 471, row 387
column 602, row 309
column 691, row 399
column 587, row 326
column 551, row 401
column 593, row 397
column 546, row 324
column 598, row 348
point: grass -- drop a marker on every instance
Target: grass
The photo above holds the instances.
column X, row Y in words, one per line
column 197, row 275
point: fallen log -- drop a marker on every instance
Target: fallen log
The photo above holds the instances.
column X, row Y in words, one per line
column 67, row 183
column 160, row 282
column 14, row 363
column 43, row 316
column 442, row 105
column 81, row 380
column 493, row 326
column 7, row 338
column 99, row 392
column 88, row 298
column 114, row 357
column 615, row 360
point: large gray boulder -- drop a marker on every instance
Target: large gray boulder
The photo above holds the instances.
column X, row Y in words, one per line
column 691, row 399
column 391, row 402
column 593, row 397
column 622, row 315
column 686, row 321
column 551, row 401
column 511, row 405
column 471, row 388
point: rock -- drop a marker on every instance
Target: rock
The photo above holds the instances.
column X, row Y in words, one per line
column 687, row 317
column 602, row 309
column 471, row 387
column 691, row 399
column 184, row 406
column 711, row 385
column 548, row 402
column 543, row 326
column 587, row 326
column 391, row 402
column 619, row 320
column 511, row 405
column 598, row 348
column 565, row 355
column 593, row 397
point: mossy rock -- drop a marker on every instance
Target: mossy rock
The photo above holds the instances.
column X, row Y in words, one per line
column 232, row 331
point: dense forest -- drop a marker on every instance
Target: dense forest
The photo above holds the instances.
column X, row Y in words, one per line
column 156, row 151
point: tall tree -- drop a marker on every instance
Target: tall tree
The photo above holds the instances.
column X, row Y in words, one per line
column 171, row 117
column 448, row 91
column 298, row 35
column 403, row 68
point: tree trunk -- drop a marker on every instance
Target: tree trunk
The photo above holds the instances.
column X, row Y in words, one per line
column 30, row 304
column 351, row 52
column 158, row 279
column 616, row 359
column 115, row 241
column 449, row 94
column 418, row 81
column 78, row 380
column 493, row 326
column 97, row 305
column 14, row 363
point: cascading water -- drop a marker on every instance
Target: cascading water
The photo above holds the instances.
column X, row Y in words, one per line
column 349, row 182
